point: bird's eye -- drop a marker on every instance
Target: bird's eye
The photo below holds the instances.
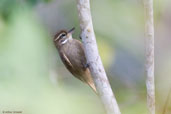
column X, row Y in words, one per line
column 63, row 35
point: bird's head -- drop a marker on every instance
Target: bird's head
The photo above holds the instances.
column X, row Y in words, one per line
column 63, row 37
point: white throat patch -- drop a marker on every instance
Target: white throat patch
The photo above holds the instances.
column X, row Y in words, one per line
column 65, row 41
column 69, row 38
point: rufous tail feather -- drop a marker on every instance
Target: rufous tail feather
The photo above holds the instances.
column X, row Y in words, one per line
column 93, row 87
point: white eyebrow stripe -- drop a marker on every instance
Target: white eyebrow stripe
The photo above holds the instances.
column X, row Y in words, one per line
column 59, row 36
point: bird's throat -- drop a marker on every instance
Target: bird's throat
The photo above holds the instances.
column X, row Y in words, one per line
column 65, row 41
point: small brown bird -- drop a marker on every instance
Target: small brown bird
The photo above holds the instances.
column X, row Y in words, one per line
column 72, row 55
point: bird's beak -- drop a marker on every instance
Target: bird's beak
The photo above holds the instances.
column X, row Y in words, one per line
column 71, row 30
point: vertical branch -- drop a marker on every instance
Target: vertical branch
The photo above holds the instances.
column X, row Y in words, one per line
column 93, row 58
column 149, row 38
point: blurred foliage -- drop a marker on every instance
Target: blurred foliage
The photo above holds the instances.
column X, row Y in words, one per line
column 106, row 52
column 7, row 6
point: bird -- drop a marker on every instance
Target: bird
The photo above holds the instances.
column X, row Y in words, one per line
column 73, row 56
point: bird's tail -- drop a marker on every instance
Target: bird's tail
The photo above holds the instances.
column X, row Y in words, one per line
column 89, row 81
column 92, row 86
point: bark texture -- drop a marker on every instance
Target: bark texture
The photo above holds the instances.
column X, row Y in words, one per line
column 96, row 67
column 149, row 38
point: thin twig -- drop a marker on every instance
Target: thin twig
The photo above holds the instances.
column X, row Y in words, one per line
column 93, row 58
column 149, row 38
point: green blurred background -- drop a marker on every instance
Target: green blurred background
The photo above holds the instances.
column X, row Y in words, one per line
column 34, row 80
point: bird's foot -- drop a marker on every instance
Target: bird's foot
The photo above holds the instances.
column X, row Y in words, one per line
column 87, row 65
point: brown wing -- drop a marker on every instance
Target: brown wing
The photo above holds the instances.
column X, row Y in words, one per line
column 81, row 54
column 67, row 63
